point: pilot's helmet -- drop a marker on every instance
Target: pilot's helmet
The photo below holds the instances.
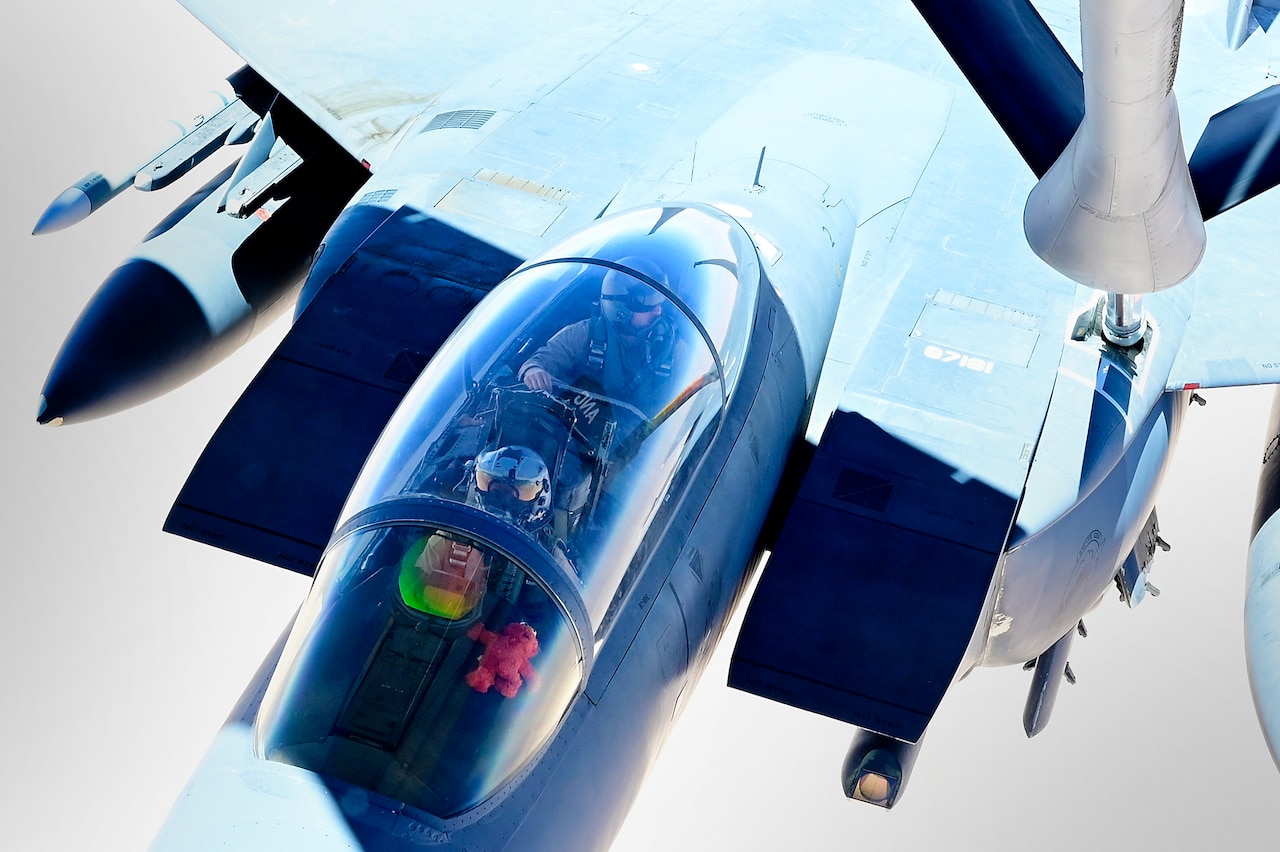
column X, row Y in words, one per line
column 622, row 296
column 514, row 484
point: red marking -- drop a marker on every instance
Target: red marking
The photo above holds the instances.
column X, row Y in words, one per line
column 1191, row 386
column 367, row 166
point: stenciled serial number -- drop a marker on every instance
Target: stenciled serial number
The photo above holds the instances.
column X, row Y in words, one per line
column 949, row 356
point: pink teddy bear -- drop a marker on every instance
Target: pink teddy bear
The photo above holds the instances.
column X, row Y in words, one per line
column 505, row 662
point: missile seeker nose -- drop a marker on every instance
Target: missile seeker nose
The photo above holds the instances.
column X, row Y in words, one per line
column 71, row 206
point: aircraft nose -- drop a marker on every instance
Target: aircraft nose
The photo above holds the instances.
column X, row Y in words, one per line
column 141, row 334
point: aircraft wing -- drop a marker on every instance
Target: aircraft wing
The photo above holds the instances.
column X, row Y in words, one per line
column 364, row 71
column 1231, row 339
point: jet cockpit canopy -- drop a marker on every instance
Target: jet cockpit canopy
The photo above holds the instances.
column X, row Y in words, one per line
column 610, row 361
column 428, row 664
column 507, row 510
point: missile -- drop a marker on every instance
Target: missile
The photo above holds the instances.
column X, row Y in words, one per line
column 231, row 125
column 194, row 290
column 267, row 163
column 1262, row 592
column 180, row 146
column 877, row 767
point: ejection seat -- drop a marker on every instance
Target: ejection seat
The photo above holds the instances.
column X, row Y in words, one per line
column 548, row 425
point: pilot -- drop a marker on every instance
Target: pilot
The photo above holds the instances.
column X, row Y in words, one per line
column 513, row 483
column 446, row 576
column 627, row 350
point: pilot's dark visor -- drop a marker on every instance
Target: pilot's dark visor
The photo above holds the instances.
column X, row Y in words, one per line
column 522, row 490
column 637, row 303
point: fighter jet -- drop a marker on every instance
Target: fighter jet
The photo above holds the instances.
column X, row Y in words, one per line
column 987, row 475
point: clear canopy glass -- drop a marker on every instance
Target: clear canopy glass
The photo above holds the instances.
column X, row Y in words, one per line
column 427, row 665
column 610, row 364
column 509, row 507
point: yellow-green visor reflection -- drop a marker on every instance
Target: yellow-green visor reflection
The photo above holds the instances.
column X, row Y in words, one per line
column 522, row 491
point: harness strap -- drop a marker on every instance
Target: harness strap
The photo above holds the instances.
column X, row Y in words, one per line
column 597, row 346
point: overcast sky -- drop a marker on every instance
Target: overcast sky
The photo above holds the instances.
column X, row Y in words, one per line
column 122, row 648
